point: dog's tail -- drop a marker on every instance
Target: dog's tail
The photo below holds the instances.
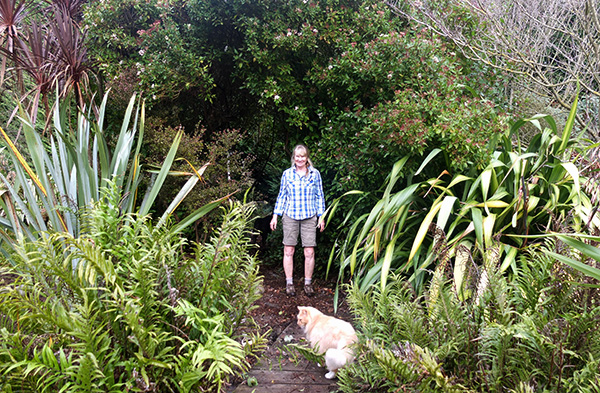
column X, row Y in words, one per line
column 337, row 358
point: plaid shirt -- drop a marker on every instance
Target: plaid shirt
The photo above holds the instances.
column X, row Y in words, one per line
column 300, row 197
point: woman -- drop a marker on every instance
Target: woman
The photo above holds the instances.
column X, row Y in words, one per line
column 301, row 204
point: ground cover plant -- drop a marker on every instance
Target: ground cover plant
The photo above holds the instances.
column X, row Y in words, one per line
column 122, row 308
column 535, row 331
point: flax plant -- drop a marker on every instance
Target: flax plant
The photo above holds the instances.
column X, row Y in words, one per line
column 53, row 179
column 523, row 191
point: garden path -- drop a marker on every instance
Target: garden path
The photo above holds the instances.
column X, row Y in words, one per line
column 278, row 370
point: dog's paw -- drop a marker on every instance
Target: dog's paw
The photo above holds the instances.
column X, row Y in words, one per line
column 330, row 375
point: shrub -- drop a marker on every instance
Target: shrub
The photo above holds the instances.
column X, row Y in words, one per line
column 117, row 308
column 536, row 333
column 226, row 169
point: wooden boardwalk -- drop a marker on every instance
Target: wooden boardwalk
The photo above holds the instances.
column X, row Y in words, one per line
column 278, row 371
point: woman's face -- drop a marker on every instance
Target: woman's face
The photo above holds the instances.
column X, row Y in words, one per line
column 300, row 158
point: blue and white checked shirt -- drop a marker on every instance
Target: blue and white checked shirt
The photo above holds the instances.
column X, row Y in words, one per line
column 300, row 197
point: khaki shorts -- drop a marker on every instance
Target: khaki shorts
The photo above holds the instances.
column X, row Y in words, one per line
column 306, row 228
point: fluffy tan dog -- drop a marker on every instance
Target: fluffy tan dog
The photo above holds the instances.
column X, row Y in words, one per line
column 329, row 335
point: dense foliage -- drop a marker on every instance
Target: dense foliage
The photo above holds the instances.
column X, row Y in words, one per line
column 350, row 79
column 530, row 333
column 121, row 307
column 225, row 171
column 524, row 190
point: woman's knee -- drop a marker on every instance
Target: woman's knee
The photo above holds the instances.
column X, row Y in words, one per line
column 309, row 252
column 288, row 251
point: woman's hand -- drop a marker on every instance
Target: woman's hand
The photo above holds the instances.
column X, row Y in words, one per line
column 274, row 222
column 321, row 224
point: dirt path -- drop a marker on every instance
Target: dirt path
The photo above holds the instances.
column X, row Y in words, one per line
column 278, row 370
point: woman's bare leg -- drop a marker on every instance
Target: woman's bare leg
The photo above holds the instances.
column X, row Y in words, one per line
column 309, row 262
column 288, row 261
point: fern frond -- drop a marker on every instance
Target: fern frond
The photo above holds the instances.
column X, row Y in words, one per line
column 309, row 353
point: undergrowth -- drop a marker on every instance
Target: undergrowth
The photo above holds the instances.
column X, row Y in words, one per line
column 538, row 331
column 121, row 308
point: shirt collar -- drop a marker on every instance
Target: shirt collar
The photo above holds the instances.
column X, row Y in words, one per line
column 308, row 167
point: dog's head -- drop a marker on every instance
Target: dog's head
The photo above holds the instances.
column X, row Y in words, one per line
column 305, row 315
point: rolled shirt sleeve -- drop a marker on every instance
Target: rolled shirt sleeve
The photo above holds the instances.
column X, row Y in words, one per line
column 282, row 198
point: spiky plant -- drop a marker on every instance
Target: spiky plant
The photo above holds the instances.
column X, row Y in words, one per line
column 63, row 175
column 12, row 16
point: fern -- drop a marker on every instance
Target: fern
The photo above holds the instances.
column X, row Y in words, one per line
column 307, row 352
column 111, row 310
column 225, row 275
column 213, row 356
column 536, row 332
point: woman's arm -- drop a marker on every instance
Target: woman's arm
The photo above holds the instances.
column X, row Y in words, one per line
column 280, row 202
column 320, row 200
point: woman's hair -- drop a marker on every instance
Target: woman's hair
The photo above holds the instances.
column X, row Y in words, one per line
column 306, row 153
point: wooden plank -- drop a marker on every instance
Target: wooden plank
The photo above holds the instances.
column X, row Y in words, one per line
column 279, row 371
column 284, row 388
column 290, row 377
column 288, row 365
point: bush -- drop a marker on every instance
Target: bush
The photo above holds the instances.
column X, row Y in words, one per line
column 535, row 333
column 120, row 308
column 225, row 169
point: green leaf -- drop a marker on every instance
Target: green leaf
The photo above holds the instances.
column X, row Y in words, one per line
column 478, row 225
column 488, row 229
column 185, row 190
column 393, row 177
column 509, row 259
column 588, row 270
column 162, row 175
column 197, row 214
column 23, row 163
column 586, row 249
column 423, row 229
column 445, row 211
column 387, row 261
column 429, row 157
column 566, row 135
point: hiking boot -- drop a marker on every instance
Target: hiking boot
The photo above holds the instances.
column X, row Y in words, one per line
column 308, row 289
column 289, row 289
